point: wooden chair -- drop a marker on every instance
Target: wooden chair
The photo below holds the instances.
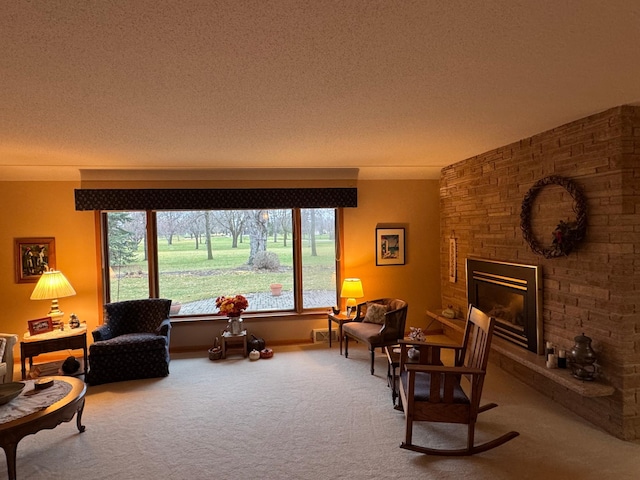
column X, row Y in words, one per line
column 376, row 330
column 431, row 392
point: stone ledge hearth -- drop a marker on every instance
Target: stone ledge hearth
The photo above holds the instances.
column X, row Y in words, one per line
column 561, row 376
column 533, row 362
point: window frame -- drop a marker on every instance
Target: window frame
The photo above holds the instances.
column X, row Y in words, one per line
column 153, row 271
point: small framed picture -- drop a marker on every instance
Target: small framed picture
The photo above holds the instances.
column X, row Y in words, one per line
column 33, row 257
column 390, row 246
column 40, row 325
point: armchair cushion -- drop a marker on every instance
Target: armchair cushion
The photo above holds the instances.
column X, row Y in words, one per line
column 364, row 331
column 130, row 342
column 375, row 313
column 422, row 388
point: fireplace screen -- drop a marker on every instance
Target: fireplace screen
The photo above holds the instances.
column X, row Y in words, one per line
column 505, row 305
column 509, row 293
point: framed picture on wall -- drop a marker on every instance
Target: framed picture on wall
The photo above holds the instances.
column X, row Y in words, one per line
column 390, row 246
column 33, row 257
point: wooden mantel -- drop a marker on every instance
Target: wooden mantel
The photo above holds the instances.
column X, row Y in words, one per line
column 530, row 360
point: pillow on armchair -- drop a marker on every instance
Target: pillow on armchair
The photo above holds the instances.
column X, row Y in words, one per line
column 375, row 313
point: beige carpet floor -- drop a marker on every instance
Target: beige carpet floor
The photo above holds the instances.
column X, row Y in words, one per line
column 307, row 413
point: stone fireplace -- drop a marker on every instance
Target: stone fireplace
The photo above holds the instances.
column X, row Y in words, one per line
column 509, row 292
column 595, row 289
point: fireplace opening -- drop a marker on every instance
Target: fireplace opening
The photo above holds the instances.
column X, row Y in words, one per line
column 510, row 293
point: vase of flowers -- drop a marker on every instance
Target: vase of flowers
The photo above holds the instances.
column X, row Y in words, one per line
column 232, row 307
column 415, row 334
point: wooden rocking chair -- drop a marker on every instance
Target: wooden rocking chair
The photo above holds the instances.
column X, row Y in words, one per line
column 431, row 392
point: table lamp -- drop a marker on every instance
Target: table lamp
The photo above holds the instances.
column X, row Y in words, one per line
column 51, row 286
column 351, row 289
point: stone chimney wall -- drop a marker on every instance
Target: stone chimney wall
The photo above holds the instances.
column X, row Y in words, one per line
column 596, row 288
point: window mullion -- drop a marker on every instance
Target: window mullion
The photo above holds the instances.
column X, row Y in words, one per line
column 152, row 254
column 297, row 261
column 106, row 262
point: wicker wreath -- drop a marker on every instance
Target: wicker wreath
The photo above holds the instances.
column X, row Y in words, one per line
column 567, row 235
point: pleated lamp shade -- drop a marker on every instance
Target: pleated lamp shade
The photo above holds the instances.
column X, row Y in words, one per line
column 51, row 286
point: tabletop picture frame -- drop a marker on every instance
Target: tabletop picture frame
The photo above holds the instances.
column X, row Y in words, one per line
column 390, row 246
column 40, row 325
column 33, row 257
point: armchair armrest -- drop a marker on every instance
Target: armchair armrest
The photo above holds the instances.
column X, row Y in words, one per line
column 164, row 328
column 432, row 351
column 415, row 367
column 430, row 344
column 361, row 309
column 103, row 332
column 391, row 326
column 12, row 340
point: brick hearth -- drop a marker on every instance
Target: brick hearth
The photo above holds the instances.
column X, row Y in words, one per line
column 595, row 289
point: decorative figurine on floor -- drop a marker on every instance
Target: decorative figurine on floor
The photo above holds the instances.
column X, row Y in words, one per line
column 70, row 365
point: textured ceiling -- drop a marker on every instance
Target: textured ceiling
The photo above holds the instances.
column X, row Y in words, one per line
column 394, row 88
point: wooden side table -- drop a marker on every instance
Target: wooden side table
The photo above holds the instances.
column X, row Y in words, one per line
column 69, row 339
column 340, row 319
column 393, row 359
column 234, row 344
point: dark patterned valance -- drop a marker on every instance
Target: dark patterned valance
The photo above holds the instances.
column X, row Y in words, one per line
column 214, row 199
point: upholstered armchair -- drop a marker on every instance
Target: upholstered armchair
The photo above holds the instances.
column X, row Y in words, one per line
column 7, row 342
column 133, row 342
column 378, row 323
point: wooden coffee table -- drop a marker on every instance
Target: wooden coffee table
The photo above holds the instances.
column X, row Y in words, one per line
column 61, row 411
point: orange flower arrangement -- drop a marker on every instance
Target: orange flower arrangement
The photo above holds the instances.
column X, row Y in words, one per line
column 232, row 306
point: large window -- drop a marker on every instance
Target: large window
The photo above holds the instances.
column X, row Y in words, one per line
column 281, row 260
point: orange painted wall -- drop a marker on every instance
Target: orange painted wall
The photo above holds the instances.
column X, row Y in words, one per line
column 46, row 209
column 34, row 209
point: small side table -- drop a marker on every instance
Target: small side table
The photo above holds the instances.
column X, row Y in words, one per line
column 340, row 319
column 234, row 344
column 68, row 339
column 393, row 367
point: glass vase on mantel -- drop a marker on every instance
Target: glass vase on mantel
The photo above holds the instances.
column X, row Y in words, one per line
column 235, row 325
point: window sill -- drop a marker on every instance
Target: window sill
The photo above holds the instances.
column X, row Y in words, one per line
column 251, row 317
